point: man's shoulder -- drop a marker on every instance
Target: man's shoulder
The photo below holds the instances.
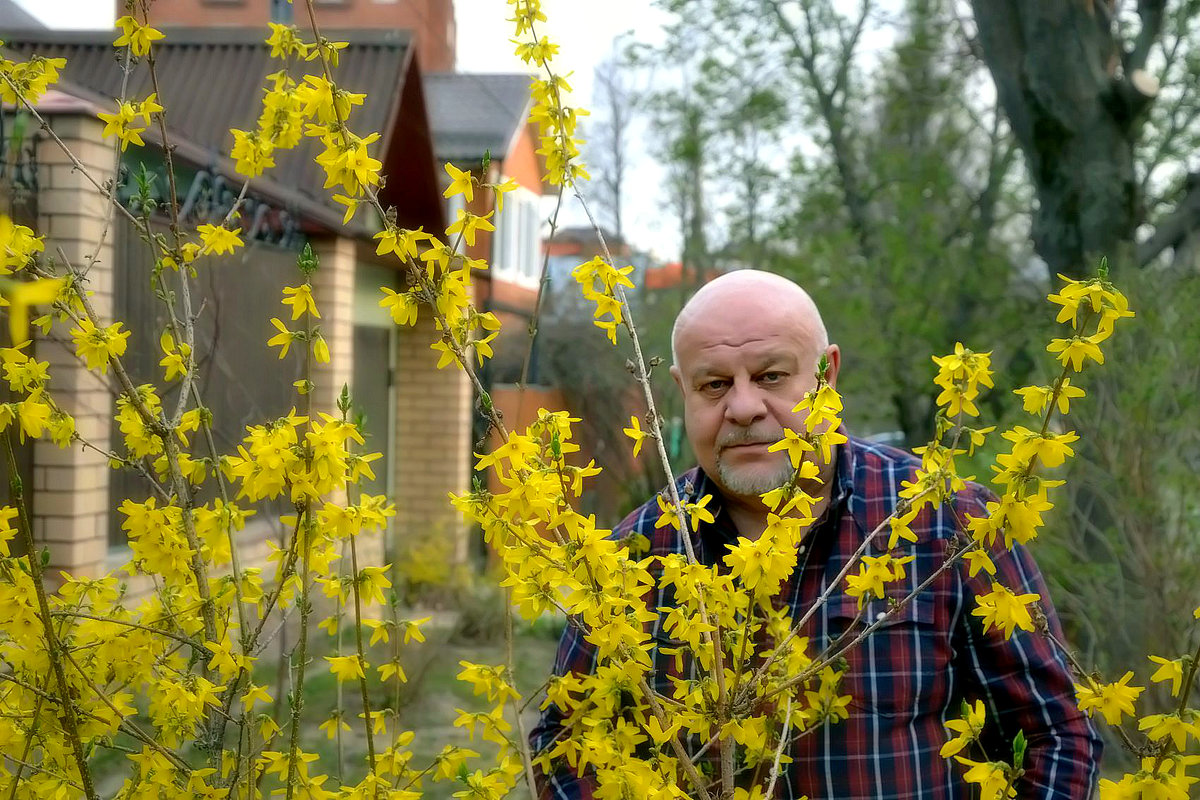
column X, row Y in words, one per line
column 642, row 519
column 880, row 472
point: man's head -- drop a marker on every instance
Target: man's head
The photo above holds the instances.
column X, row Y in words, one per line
column 746, row 348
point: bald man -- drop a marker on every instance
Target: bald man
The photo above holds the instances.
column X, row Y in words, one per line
column 745, row 350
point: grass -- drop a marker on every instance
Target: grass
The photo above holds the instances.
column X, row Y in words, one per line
column 427, row 702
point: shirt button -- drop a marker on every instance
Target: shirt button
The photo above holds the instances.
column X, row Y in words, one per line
column 882, row 615
column 800, row 549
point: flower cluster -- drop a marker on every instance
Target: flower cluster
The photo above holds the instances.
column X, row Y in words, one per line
column 599, row 282
column 130, row 120
column 555, row 558
column 556, row 120
column 27, row 81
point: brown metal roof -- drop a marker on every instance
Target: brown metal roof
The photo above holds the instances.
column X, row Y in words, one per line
column 212, row 79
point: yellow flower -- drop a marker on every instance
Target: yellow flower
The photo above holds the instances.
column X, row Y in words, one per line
column 979, row 560
column 968, row 729
column 697, row 511
column 331, row 725
column 320, row 349
column 253, row 695
column 391, row 669
column 402, row 305
column 96, row 346
column 1168, row 671
column 1050, row 448
column 176, row 356
column 668, row 515
column 467, row 223
column 23, row 294
column 793, row 444
column 899, row 524
column 61, row 427
column 1076, row 350
column 636, row 433
column 346, row 668
column 347, row 163
column 660, row 735
column 283, row 339
column 1005, row 610
column 411, row 629
column 17, row 245
column 300, row 298
column 351, row 205
column 461, row 182
column 33, row 415
column 992, row 778
column 1160, row 726
column 29, row 79
column 285, row 42
column 823, row 406
column 372, row 582
column 401, row 241
column 136, row 35
column 252, row 152
column 7, row 532
column 218, row 240
column 124, row 124
column 378, row 721
column 1112, row 700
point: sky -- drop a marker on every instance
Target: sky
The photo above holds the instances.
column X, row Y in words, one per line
column 585, row 32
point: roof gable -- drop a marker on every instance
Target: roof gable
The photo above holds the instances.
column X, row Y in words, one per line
column 471, row 114
column 14, row 18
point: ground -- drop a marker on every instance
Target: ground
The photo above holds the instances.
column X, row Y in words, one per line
column 427, row 702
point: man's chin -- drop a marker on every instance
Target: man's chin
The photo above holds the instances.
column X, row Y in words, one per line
column 748, row 482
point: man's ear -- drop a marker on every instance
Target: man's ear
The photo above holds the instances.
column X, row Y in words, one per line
column 678, row 376
column 835, row 363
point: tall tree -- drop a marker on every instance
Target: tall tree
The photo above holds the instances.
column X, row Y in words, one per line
column 1084, row 113
column 859, row 171
column 1109, row 126
column 614, row 99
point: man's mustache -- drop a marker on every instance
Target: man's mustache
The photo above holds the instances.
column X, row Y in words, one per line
column 745, row 437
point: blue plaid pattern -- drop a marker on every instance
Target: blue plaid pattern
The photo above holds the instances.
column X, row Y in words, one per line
column 908, row 677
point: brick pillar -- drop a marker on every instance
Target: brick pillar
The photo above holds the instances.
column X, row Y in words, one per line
column 433, row 439
column 70, row 487
column 333, row 289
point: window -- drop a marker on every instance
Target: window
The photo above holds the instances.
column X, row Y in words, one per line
column 517, row 244
column 281, row 12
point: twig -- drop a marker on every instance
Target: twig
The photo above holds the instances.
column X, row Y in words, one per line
column 783, row 737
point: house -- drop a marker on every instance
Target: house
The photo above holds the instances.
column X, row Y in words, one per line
column 418, row 416
column 476, row 117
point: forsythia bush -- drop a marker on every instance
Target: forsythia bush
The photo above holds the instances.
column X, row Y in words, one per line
column 172, row 673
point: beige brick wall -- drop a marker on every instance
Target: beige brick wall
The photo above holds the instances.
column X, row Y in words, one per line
column 333, row 289
column 70, row 497
column 433, row 439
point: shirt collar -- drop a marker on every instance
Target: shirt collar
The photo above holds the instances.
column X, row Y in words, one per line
column 715, row 535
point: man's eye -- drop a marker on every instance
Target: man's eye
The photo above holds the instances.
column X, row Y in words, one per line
column 771, row 377
column 713, row 386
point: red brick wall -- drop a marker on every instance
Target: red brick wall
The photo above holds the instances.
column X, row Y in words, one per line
column 523, row 163
column 432, row 21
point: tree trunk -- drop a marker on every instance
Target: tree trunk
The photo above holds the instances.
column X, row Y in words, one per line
column 1058, row 73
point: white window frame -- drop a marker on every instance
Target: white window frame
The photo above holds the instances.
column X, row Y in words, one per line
column 517, row 243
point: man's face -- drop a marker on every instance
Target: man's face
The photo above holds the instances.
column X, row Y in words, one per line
column 742, row 367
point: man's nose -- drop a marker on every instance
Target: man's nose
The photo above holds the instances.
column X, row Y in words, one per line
column 744, row 404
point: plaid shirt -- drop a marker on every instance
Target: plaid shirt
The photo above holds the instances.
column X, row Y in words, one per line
column 908, row 677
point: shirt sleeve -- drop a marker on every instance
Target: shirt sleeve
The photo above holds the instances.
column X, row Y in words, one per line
column 1027, row 685
column 575, row 654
